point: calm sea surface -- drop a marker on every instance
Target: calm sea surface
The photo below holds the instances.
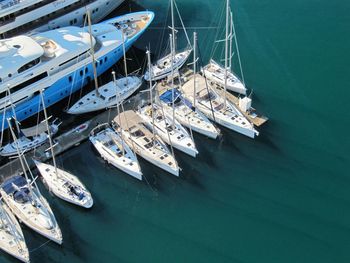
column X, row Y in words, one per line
column 283, row 197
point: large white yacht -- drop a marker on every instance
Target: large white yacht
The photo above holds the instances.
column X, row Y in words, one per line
column 60, row 61
column 20, row 16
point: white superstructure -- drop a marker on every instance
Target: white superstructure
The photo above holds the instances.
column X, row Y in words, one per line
column 21, row 16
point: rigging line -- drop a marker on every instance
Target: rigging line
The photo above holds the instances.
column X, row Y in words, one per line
column 236, row 42
column 164, row 29
column 186, row 115
column 43, row 244
column 183, row 26
column 75, row 73
column 206, row 83
column 166, row 126
column 190, row 27
column 219, row 18
column 3, row 120
column 37, row 126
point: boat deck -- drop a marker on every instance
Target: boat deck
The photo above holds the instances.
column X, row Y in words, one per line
column 130, row 121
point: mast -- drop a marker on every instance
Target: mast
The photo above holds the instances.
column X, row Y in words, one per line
column 172, row 80
column 231, row 36
column 172, row 24
column 124, row 54
column 92, row 52
column 48, row 131
column 226, row 47
column 19, row 155
column 120, row 120
column 150, row 92
column 194, row 67
column 13, row 110
column 236, row 43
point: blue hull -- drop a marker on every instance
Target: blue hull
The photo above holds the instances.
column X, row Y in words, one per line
column 67, row 85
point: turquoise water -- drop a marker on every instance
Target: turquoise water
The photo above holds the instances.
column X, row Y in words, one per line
column 283, row 197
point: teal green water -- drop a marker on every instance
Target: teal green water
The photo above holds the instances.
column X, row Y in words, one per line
column 283, row 197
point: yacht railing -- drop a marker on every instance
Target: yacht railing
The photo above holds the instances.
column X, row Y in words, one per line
column 8, row 3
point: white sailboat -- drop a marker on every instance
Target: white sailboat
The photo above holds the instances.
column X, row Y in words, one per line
column 29, row 138
column 25, row 201
column 11, row 236
column 170, row 130
column 149, row 146
column 223, row 75
column 187, row 115
column 114, row 150
column 30, row 207
column 218, row 108
column 165, row 125
column 215, row 73
column 184, row 111
column 63, row 184
column 109, row 95
column 164, row 66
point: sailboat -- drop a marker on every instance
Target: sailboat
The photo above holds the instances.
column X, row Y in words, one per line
column 112, row 147
column 217, row 108
column 146, row 144
column 149, row 146
column 63, row 184
column 184, row 111
column 24, row 199
column 166, row 126
column 223, row 75
column 164, row 66
column 29, row 138
column 106, row 96
column 114, row 150
column 11, row 236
